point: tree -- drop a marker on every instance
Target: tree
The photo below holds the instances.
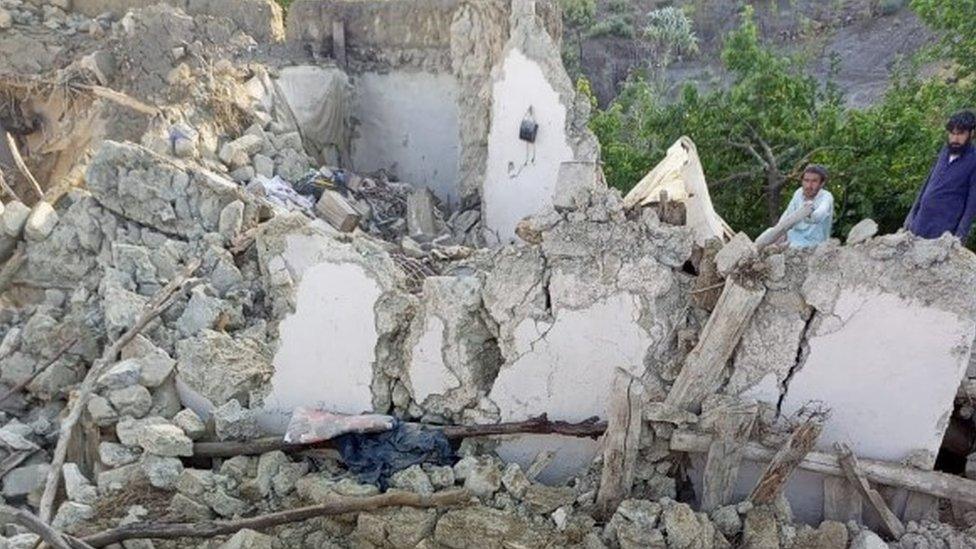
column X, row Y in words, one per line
column 956, row 21
column 669, row 34
column 578, row 16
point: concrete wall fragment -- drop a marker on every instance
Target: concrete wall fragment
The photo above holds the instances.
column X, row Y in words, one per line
column 339, row 312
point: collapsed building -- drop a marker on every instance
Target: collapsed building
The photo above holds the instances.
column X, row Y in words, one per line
column 391, row 207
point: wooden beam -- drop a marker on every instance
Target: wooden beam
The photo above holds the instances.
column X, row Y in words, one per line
column 773, row 234
column 852, row 469
column 339, row 43
column 934, row 483
column 785, row 461
column 334, row 208
column 620, row 443
column 732, row 425
column 541, row 425
column 704, row 364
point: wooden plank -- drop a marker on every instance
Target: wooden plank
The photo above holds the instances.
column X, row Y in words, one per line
column 704, row 364
column 339, row 43
column 732, row 426
column 620, row 443
column 852, row 469
column 934, row 483
column 334, row 208
column 772, row 235
column 841, row 500
column 785, row 461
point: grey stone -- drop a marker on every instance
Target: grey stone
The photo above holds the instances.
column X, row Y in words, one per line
column 120, row 477
column 220, row 368
column 78, row 488
column 163, row 472
column 574, row 184
column 412, row 479
column 868, row 540
column 263, row 166
column 238, row 152
column 480, row 526
column 727, row 520
column 234, row 422
column 190, row 422
column 421, row 217
column 544, row 500
column 634, row 525
column 24, row 480
column 242, row 174
column 72, row 514
column 14, row 218
column 182, row 507
column 864, row 230
column 123, row 374
column 684, row 528
column 164, row 439
column 23, row 541
column 132, row 401
column 231, row 219
column 40, row 222
column 248, row 539
column 166, row 400
column 14, row 440
column 114, row 454
column 440, row 476
column 128, row 429
column 6, row 20
column 483, row 479
column 269, row 465
column 735, row 251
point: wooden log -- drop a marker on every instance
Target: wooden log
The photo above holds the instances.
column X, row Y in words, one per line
column 773, row 234
column 841, row 500
column 704, row 364
column 336, row 506
column 785, row 461
column 334, row 208
column 48, row 534
column 620, row 443
column 852, row 469
column 22, row 166
column 165, row 297
column 934, row 483
column 339, row 43
column 541, row 425
column 732, row 426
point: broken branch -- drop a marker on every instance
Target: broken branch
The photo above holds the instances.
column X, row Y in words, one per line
column 159, row 303
column 786, row 460
column 22, row 166
column 26, row 519
column 338, row 506
column 23, row 384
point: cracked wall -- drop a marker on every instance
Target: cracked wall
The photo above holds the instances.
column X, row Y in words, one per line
column 872, row 332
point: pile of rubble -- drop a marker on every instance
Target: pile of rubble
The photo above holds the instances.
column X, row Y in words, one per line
column 197, row 267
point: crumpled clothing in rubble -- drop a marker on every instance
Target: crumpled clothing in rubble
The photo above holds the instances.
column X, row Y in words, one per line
column 376, row 457
column 308, row 425
column 316, row 181
column 280, row 192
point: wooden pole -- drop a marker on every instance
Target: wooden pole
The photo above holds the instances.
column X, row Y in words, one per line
column 160, row 302
column 934, row 483
column 733, row 425
column 852, row 469
column 337, row 506
column 620, row 443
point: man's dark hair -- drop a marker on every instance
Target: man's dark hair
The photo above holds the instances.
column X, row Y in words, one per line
column 962, row 121
column 817, row 169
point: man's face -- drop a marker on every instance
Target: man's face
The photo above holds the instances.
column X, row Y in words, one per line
column 958, row 140
column 811, row 185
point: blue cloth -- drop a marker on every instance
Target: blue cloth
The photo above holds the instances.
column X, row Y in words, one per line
column 816, row 228
column 375, row 457
column 947, row 202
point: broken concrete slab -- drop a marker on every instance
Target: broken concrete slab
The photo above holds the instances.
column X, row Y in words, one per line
column 244, row 365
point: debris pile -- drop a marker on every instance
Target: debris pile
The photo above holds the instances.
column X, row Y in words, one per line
column 202, row 302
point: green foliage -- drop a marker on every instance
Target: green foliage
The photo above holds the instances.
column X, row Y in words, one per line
column 956, row 20
column 774, row 118
column 578, row 13
column 284, row 4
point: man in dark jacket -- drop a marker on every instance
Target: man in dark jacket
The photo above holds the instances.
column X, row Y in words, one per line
column 947, row 201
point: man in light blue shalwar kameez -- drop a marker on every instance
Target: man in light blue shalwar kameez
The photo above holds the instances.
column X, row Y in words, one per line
column 815, row 228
